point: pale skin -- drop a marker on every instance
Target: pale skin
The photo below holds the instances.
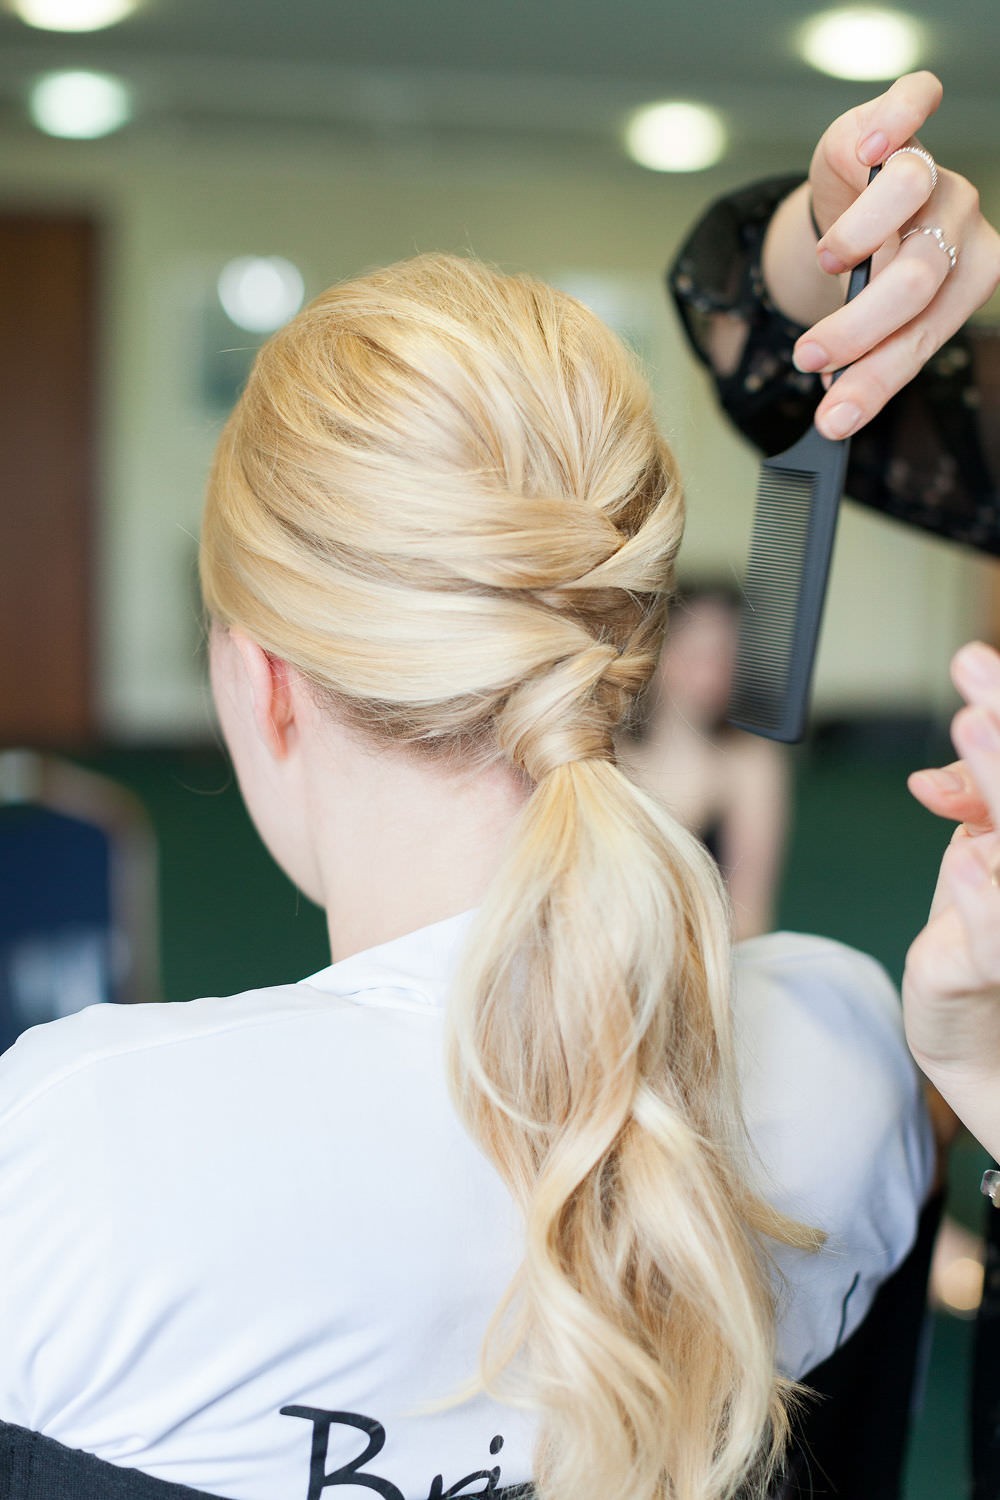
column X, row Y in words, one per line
column 951, row 988
column 914, row 302
column 386, row 841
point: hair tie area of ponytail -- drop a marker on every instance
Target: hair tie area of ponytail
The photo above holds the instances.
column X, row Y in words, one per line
column 568, row 714
column 561, row 750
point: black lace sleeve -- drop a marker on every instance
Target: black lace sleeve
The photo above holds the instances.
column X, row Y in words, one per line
column 932, row 456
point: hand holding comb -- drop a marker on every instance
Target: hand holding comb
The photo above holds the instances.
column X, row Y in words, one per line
column 798, row 498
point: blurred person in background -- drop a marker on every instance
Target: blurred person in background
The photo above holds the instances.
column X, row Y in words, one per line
column 731, row 789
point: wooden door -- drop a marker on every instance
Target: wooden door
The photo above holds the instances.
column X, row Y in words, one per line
column 48, row 267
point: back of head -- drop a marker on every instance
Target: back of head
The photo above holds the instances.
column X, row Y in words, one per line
column 443, row 498
column 441, row 483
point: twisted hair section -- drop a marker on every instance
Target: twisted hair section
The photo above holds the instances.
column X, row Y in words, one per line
column 444, row 500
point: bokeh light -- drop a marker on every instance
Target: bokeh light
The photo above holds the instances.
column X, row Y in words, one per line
column 260, row 293
column 862, row 42
column 79, row 105
column 675, row 136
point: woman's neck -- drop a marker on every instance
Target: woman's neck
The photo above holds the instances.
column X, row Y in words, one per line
column 410, row 845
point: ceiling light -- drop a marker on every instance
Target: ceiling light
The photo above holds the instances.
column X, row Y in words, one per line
column 675, row 137
column 79, row 106
column 259, row 293
column 862, row 42
column 73, row 15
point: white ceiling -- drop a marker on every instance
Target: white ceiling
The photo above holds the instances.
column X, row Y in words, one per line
column 501, row 68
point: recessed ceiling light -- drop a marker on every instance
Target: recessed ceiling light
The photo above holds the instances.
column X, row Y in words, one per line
column 73, row 15
column 862, row 42
column 259, row 293
column 79, row 106
column 675, row 137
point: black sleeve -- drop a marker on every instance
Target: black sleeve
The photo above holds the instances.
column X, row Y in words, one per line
column 930, row 458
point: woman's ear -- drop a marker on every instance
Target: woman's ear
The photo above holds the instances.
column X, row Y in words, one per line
column 272, row 696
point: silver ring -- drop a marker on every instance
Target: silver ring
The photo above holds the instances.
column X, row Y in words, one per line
column 937, row 235
column 925, row 156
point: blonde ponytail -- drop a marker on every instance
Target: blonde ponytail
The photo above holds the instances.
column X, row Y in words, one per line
column 604, row 1090
column 444, row 500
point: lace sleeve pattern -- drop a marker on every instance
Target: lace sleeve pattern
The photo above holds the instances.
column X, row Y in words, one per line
column 932, row 456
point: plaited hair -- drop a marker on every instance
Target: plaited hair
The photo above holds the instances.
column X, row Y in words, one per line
column 443, row 499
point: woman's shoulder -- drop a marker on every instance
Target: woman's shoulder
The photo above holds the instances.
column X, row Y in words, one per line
column 836, row 1115
column 820, row 1034
column 57, row 1053
column 817, row 975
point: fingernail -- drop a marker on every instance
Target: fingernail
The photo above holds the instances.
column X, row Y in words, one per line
column 982, row 729
column 840, row 421
column 872, row 148
column 942, row 779
column 809, row 356
column 830, row 263
column 979, row 664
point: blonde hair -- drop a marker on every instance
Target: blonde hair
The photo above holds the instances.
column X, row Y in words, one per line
column 444, row 500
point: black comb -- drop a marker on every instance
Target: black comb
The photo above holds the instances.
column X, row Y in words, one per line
column 798, row 498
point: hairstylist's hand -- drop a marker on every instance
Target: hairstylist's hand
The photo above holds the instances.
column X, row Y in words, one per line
column 916, row 298
column 951, row 989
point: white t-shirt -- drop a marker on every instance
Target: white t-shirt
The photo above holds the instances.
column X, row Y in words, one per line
column 246, row 1243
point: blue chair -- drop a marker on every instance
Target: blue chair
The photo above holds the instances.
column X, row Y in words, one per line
column 78, row 903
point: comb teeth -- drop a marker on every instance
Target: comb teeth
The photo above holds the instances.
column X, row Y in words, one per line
column 765, row 655
column 794, row 527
